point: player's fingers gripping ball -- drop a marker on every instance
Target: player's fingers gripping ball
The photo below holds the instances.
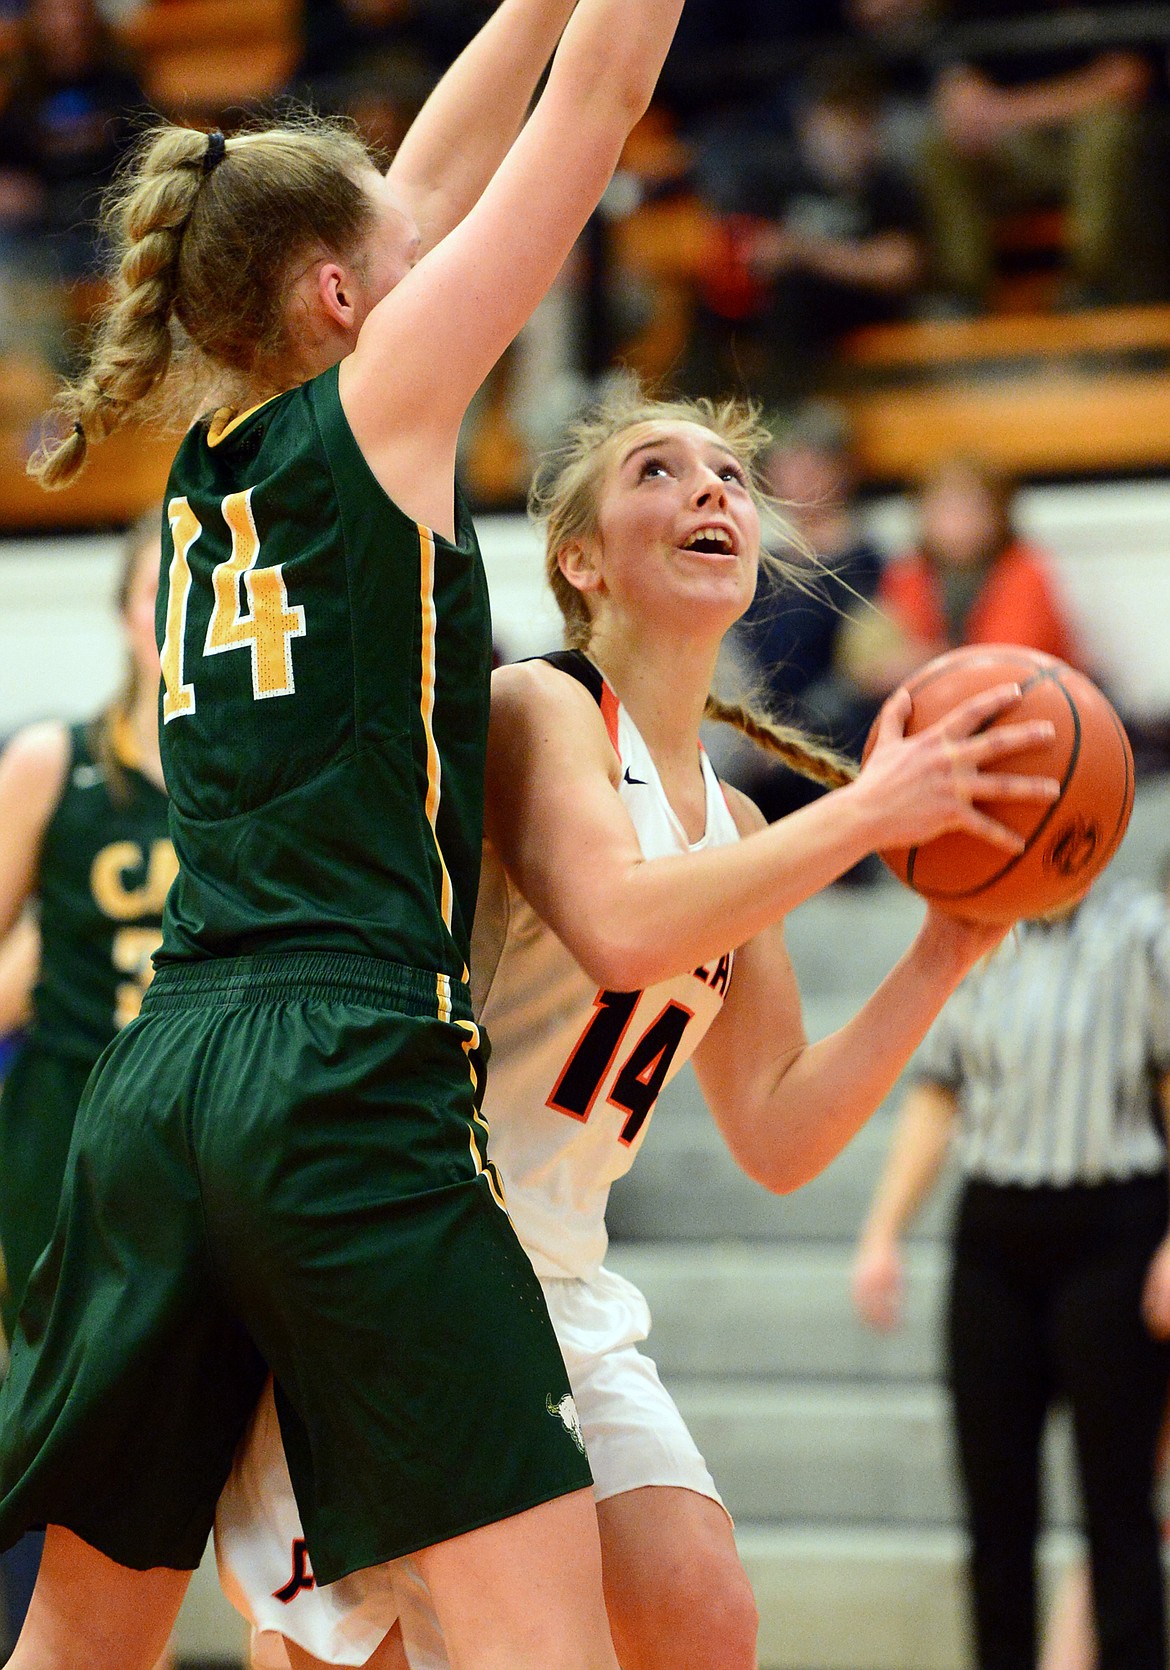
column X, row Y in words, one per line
column 1068, row 841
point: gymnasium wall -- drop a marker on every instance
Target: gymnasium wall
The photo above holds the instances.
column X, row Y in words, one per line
column 1111, row 543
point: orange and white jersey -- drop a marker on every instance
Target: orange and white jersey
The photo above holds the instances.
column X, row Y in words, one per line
column 575, row 1072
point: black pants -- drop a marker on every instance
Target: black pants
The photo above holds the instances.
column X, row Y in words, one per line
column 1045, row 1305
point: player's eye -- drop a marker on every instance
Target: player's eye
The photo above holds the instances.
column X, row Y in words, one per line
column 652, row 466
column 733, row 472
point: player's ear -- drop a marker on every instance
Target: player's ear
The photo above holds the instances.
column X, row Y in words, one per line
column 577, row 562
column 335, row 289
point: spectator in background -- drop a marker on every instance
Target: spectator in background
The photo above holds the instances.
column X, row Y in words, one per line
column 971, row 579
column 836, row 243
column 340, row 35
column 68, row 117
column 1050, row 1067
column 790, row 635
column 729, row 81
column 1022, row 130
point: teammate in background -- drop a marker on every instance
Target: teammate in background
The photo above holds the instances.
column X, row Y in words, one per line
column 630, row 914
column 20, row 958
column 280, row 1164
column 83, row 837
column 83, row 833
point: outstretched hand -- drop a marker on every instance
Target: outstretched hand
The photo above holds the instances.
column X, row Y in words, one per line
column 918, row 787
column 877, row 1284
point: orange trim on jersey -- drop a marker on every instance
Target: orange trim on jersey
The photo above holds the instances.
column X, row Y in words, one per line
column 426, row 548
column 609, row 712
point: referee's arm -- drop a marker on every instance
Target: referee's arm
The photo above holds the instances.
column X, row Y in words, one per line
column 1156, row 1297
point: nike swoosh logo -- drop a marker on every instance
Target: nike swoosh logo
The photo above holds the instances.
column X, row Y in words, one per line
column 637, row 782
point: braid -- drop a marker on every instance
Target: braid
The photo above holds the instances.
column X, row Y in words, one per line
column 132, row 350
column 811, row 759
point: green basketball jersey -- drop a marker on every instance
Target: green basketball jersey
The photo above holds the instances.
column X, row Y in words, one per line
column 325, row 698
column 106, row 863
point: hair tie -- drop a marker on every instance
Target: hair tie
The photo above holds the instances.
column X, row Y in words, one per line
column 215, row 152
column 78, row 429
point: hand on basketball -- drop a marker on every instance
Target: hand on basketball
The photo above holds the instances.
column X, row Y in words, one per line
column 878, row 1283
column 929, row 784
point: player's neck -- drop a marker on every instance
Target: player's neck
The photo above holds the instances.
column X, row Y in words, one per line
column 662, row 682
column 143, row 719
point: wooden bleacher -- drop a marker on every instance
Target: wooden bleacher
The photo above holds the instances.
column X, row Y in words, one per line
column 1037, row 394
column 201, row 57
column 126, row 475
column 197, row 59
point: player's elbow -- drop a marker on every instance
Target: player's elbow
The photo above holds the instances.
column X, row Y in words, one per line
column 617, row 947
column 779, row 1173
column 615, row 963
column 612, row 95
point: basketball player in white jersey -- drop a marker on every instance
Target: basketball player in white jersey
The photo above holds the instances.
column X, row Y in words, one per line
column 630, row 917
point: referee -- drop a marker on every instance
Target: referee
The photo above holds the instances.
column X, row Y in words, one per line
column 1050, row 1069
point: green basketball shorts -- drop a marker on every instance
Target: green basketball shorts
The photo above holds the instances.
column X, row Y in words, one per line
column 37, row 1108
column 281, row 1162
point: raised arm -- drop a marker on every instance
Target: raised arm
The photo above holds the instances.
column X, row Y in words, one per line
column 426, row 348
column 557, row 820
column 464, row 130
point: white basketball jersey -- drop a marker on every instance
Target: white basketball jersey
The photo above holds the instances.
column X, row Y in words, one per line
column 574, row 1071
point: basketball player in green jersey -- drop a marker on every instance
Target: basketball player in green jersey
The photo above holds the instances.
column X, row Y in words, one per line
column 83, row 833
column 280, row 1162
column 85, row 863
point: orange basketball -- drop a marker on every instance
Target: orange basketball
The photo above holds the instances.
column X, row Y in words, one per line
column 1070, row 840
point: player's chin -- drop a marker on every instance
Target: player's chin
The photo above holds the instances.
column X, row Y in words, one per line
column 721, row 590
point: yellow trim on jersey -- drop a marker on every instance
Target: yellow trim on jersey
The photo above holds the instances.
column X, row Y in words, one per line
column 225, row 420
column 494, row 1181
column 426, row 547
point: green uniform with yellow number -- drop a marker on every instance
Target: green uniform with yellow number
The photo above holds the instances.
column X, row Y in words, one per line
column 281, row 1162
column 105, row 865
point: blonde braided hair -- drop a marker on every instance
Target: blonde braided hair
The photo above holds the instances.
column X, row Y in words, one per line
column 563, row 498
column 201, row 257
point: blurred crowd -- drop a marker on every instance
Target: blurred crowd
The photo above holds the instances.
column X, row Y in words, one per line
column 839, row 163
column 808, row 170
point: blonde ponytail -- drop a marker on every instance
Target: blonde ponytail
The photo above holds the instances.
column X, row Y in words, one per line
column 132, row 348
column 799, row 752
column 205, row 234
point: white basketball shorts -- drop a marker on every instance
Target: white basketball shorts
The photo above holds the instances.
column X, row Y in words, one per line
column 633, row 1433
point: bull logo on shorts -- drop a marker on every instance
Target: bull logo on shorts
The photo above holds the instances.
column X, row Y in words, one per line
column 566, row 1412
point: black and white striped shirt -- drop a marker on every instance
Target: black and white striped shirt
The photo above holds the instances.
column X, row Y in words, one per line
column 1055, row 1046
